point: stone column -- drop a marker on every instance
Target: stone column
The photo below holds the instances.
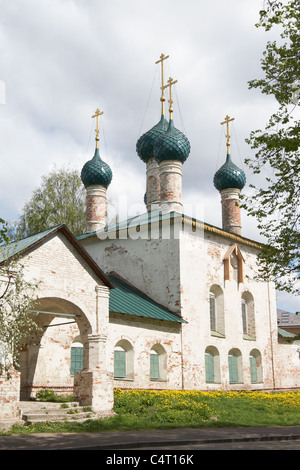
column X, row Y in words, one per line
column 152, row 185
column 231, row 212
column 9, row 399
column 95, row 208
column 93, row 386
column 170, row 172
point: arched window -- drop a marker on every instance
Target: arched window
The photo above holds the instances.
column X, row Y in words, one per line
column 216, row 310
column 76, row 355
column 213, row 311
column 255, row 367
column 235, row 366
column 212, row 365
column 158, row 363
column 123, row 360
column 248, row 317
column 234, row 264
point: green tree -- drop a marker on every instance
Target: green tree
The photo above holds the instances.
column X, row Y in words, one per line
column 277, row 205
column 60, row 198
column 17, row 297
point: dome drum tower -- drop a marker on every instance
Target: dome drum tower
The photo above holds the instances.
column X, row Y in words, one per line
column 96, row 176
column 164, row 149
column 230, row 180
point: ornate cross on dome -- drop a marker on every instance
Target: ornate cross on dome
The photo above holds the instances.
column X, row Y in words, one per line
column 227, row 121
column 162, row 98
column 170, row 83
column 96, row 115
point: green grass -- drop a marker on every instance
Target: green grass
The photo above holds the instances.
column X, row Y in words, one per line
column 145, row 409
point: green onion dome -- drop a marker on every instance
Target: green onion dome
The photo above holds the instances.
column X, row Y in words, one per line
column 172, row 145
column 229, row 176
column 144, row 146
column 96, row 172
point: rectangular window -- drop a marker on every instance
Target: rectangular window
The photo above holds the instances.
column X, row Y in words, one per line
column 120, row 364
column 76, row 359
column 154, row 366
column 244, row 317
column 212, row 307
column 233, row 370
column 253, row 370
column 209, row 368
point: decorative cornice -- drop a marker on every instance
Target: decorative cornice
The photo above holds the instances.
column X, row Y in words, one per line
column 194, row 223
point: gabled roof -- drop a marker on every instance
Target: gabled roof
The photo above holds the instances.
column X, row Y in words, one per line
column 23, row 246
column 126, row 299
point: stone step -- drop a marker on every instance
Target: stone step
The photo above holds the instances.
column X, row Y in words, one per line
column 43, row 418
column 46, row 405
column 37, row 412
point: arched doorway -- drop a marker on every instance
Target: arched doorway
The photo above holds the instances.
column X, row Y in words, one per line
column 45, row 359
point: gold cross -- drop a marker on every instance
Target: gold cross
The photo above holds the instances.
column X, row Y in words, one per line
column 170, row 83
column 96, row 115
column 162, row 98
column 227, row 121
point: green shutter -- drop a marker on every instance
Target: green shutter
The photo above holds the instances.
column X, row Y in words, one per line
column 233, row 371
column 209, row 368
column 244, row 317
column 119, row 364
column 76, row 359
column 212, row 307
column 154, row 366
column 253, row 370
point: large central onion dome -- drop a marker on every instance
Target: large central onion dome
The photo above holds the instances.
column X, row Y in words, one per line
column 144, row 145
column 172, row 145
column 96, row 172
column 229, row 176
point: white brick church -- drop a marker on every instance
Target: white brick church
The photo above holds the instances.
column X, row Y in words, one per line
column 159, row 301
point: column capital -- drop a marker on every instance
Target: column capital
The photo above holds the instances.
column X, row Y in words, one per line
column 102, row 291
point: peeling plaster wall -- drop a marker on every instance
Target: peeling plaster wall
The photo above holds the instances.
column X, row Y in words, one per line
column 151, row 265
column 142, row 335
column 178, row 273
column 67, row 285
column 201, row 263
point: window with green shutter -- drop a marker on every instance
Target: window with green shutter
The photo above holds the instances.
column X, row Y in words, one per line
column 212, row 308
column 244, row 317
column 233, row 369
column 253, row 369
column 154, row 366
column 209, row 367
column 76, row 359
column 119, row 363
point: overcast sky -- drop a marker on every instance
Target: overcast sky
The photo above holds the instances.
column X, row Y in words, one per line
column 63, row 59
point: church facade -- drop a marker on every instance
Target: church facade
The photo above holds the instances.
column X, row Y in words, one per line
column 159, row 301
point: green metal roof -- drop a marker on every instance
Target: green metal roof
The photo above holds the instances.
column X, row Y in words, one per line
column 144, row 146
column 286, row 334
column 17, row 247
column 96, row 172
column 153, row 217
column 126, row 299
column 229, row 176
column 172, row 145
column 20, row 247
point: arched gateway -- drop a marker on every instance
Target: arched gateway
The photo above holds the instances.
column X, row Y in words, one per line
column 72, row 301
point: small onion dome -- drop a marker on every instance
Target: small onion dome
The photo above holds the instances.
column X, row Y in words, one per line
column 229, row 176
column 144, row 146
column 173, row 145
column 96, row 172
